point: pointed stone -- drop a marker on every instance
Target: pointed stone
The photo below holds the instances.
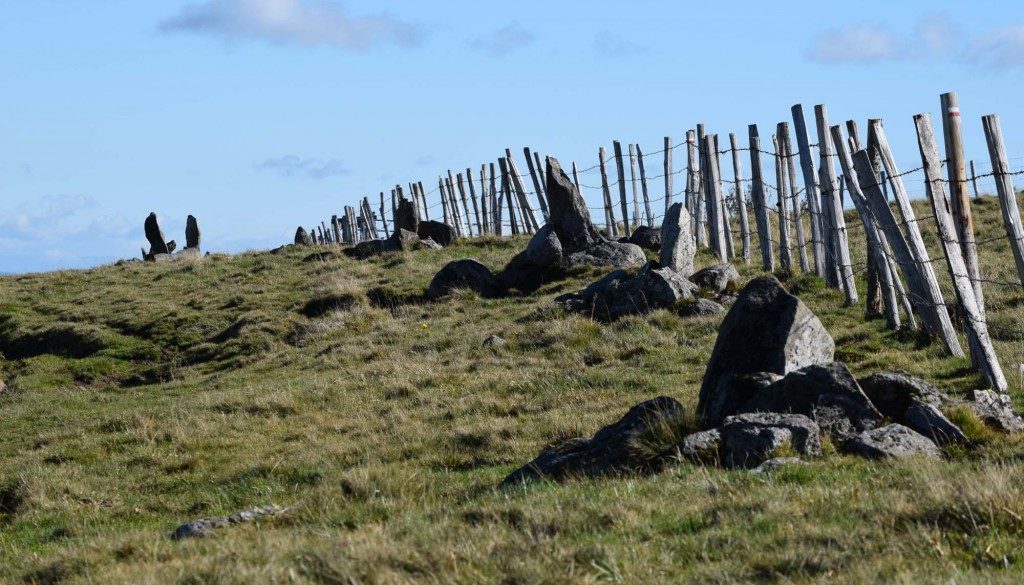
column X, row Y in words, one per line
column 157, row 243
column 677, row 244
column 192, row 236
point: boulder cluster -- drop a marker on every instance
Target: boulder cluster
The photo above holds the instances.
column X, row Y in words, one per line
column 772, row 388
column 160, row 250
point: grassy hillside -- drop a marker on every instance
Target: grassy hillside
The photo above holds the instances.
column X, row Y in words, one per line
column 142, row 396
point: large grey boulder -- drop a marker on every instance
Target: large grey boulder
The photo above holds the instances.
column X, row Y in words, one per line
column 302, row 237
column 996, row 411
column 766, row 330
column 464, row 274
column 646, row 237
column 895, row 441
column 732, row 392
column 527, row 270
column 678, row 246
column 155, row 236
column 192, row 235
column 440, row 232
column 827, row 393
column 611, row 254
column 718, row 278
column 617, row 295
column 747, row 440
column 612, row 450
column 567, row 211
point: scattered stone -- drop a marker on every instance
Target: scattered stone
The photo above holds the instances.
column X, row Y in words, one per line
column 733, row 392
column 302, row 237
column 406, row 217
column 429, row 244
column 677, row 244
column 617, row 295
column 646, row 237
column 996, row 410
column 495, row 341
column 157, row 243
column 893, row 440
column 894, row 392
column 701, row 308
column 930, row 422
column 526, row 271
column 701, row 447
column 190, row 253
column 773, row 465
column 172, row 246
column 400, row 241
column 442, row 233
column 766, row 330
column 192, row 235
column 718, row 278
column 611, row 254
column 205, row 526
column 750, row 439
column 464, row 274
column 610, row 451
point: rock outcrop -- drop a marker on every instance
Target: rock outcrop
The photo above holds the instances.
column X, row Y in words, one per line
column 464, row 274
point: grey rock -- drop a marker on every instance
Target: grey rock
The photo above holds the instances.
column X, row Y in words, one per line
column 495, row 341
column 155, row 236
column 678, row 246
column 464, row 274
column 527, row 270
column 996, row 410
column 406, row 217
column 429, row 244
column 646, row 237
column 302, row 237
column 440, row 232
column 766, row 330
column 930, row 422
column 401, row 240
column 701, row 447
column 750, row 439
column 205, row 526
column 189, row 253
column 610, row 451
column 828, row 394
column 894, row 392
column 160, row 258
column 895, row 440
column 613, row 254
column 172, row 246
column 701, row 308
column 718, row 278
column 567, row 211
column 192, row 234
column 616, row 295
column 773, row 465
column 733, row 392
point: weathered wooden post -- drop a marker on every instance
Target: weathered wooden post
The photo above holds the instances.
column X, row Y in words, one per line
column 841, row 245
column 974, row 181
column 495, row 199
column 757, row 198
column 506, row 186
column 529, row 218
column 485, row 201
column 798, row 224
column 335, row 228
column 785, row 245
column 472, row 197
column 726, row 215
column 1005, row 189
column 576, row 177
column 668, row 172
column 643, row 186
column 700, row 205
column 692, row 178
column 813, row 194
column 713, row 190
column 622, row 188
column 956, row 167
column 977, row 328
column 609, row 214
column 632, row 180
column 538, row 187
column 741, row 205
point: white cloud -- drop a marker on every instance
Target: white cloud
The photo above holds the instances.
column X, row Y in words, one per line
column 506, row 39
column 1003, row 47
column 290, row 166
column 305, row 22
column 857, row 43
column 611, row 45
column 937, row 34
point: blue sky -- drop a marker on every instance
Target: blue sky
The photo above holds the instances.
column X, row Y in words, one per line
column 260, row 115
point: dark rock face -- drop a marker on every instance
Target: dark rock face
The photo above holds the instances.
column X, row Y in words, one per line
column 766, row 330
column 302, row 237
column 464, row 274
column 567, row 211
column 617, row 295
column 995, row 409
column 717, row 278
column 527, row 270
column 157, row 243
column 192, row 235
column 405, row 216
column 647, row 238
column 609, row 451
column 442, row 233
column 206, row 526
column 701, row 308
column 894, row 392
column 828, row 394
column 893, row 440
column 678, row 246
column 929, row 421
column 747, row 440
column 733, row 392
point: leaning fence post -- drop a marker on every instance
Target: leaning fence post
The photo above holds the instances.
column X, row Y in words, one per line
column 798, row 225
column 622, row 188
column 529, row 219
column 537, row 187
column 1005, row 189
column 956, row 167
column 757, row 198
column 668, row 172
column 974, row 181
column 741, row 205
column 811, row 190
column 609, row 213
column 643, row 186
column 977, row 328
column 472, row 197
column 730, row 246
column 837, row 220
column 785, row 245
column 506, row 187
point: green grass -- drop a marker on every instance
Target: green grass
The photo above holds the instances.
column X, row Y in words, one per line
column 142, row 396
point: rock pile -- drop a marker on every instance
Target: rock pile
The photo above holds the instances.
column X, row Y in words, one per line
column 160, row 250
column 406, row 235
column 772, row 388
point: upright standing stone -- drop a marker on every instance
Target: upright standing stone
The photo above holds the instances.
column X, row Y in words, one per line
column 157, row 243
column 568, row 213
column 406, row 217
column 302, row 237
column 677, row 244
column 192, row 236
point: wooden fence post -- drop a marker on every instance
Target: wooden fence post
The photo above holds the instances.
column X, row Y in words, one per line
column 1005, row 189
column 632, row 180
column 368, row 213
column 840, row 242
column 700, row 205
column 977, row 328
column 576, row 178
column 757, row 198
column 495, row 200
column 529, row 219
column 485, row 201
column 643, row 185
column 798, row 224
column 465, row 205
column 609, row 213
column 726, row 215
column 811, row 190
column 423, row 201
column 974, row 181
column 668, row 172
column 741, row 205
column 383, row 217
column 542, row 173
column 472, row 197
column 336, row 229
column 622, row 188
column 785, row 245
column 956, row 167
column 537, row 180
column 713, row 191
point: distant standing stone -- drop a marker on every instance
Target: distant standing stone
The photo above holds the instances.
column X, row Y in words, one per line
column 677, row 244
column 192, row 236
column 157, row 243
column 406, row 218
column 302, row 237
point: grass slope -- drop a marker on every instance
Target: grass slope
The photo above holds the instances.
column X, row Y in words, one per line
column 141, row 396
